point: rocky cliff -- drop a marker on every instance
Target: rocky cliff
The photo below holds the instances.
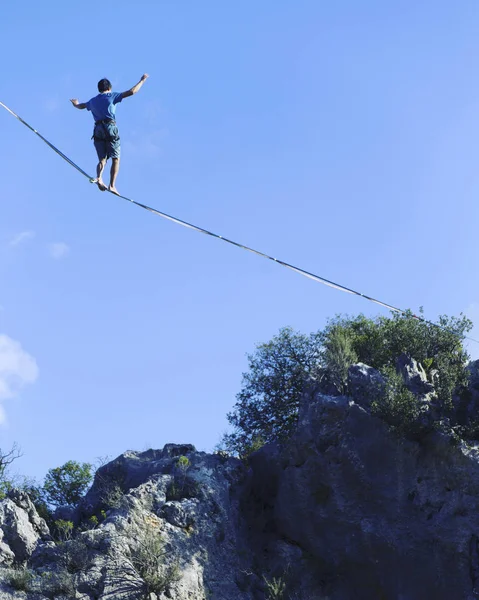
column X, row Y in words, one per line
column 347, row 509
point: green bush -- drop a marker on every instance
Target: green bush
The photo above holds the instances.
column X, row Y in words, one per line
column 266, row 408
column 74, row 555
column 5, row 487
column 63, row 530
column 470, row 430
column 148, row 559
column 56, row 583
column 180, row 488
column 110, row 488
column 20, row 579
column 66, row 485
column 338, row 356
column 400, row 408
column 183, row 463
column 256, row 443
column 275, row 588
column 92, row 522
column 379, row 342
column 112, row 496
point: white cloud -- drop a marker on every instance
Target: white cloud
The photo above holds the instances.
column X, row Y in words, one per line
column 22, row 237
column 58, row 250
column 17, row 369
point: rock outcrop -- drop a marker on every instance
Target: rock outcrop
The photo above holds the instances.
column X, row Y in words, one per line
column 21, row 529
column 346, row 509
column 174, row 532
column 414, row 375
column 379, row 517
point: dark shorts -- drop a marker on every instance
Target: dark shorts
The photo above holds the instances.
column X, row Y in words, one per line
column 106, row 140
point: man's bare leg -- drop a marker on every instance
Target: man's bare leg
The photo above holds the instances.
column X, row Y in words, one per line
column 115, row 166
column 99, row 171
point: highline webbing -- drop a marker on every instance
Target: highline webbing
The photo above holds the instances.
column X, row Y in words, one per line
column 312, row 276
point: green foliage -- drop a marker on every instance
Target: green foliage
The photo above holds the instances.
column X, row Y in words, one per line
column 182, row 486
column 256, row 443
column 67, row 484
column 93, row 522
column 267, row 406
column 470, row 431
column 112, row 495
column 148, row 559
column 427, row 364
column 56, row 583
column 110, row 487
column 74, row 555
column 338, row 356
column 379, row 342
column 173, row 491
column 275, row 588
column 5, row 486
column 88, row 524
column 182, row 466
column 20, row 579
column 63, row 530
column 400, row 408
column 51, row 584
column 183, row 463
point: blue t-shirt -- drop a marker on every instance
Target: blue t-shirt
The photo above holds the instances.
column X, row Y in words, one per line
column 103, row 106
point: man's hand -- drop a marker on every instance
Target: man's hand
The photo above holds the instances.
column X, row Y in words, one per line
column 136, row 88
column 77, row 104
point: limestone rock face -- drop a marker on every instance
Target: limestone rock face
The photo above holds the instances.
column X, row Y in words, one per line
column 414, row 375
column 364, row 383
column 380, row 517
column 345, row 510
column 21, row 529
column 173, row 533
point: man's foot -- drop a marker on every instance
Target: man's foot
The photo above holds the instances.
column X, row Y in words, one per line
column 101, row 186
column 113, row 190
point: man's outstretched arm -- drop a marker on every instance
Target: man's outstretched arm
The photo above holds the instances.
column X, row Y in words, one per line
column 136, row 88
column 76, row 104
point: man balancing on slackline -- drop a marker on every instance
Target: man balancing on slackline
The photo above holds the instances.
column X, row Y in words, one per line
column 105, row 133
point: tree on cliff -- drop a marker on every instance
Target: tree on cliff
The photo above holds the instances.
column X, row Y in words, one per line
column 67, row 484
column 266, row 408
column 379, row 342
column 267, row 405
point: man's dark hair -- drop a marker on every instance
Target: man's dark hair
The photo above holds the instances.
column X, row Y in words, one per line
column 104, row 85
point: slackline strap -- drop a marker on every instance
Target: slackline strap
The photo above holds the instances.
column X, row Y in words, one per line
column 312, row 276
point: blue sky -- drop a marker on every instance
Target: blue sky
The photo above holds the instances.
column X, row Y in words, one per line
column 342, row 137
